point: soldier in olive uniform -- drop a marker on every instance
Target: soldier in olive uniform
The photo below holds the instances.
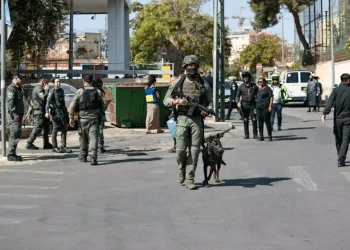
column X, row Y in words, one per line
column 98, row 83
column 189, row 131
column 41, row 123
column 90, row 103
column 15, row 107
column 56, row 108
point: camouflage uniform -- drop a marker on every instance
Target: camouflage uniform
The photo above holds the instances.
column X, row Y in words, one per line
column 15, row 107
column 189, row 131
column 41, row 123
column 89, row 121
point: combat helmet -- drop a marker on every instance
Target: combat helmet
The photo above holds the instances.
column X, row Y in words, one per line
column 189, row 60
column 246, row 74
column 275, row 76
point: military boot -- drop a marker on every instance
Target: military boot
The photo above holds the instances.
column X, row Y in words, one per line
column 102, row 150
column 181, row 178
column 246, row 129
column 82, row 158
column 93, row 162
column 191, row 186
column 14, row 158
column 279, row 128
column 47, row 146
column 31, row 146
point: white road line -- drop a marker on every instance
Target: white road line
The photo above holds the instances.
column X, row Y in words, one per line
column 23, row 195
column 29, row 171
column 19, row 207
column 302, row 177
column 8, row 221
column 30, row 179
column 33, row 187
column 346, row 175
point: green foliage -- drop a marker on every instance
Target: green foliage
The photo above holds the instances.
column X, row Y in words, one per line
column 348, row 43
column 266, row 15
column 234, row 70
column 264, row 51
column 174, row 26
column 37, row 23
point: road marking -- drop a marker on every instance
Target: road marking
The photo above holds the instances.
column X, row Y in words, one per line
column 346, row 175
column 18, row 207
column 7, row 221
column 302, row 177
column 24, row 195
column 29, row 171
column 31, row 179
column 14, row 186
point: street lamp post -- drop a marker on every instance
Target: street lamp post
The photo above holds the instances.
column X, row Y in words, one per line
column 3, row 78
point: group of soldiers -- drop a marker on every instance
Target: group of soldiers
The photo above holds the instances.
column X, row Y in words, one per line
column 49, row 105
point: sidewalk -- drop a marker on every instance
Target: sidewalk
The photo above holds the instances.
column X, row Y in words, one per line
column 117, row 139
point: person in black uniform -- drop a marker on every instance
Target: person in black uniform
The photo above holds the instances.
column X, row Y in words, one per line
column 15, row 106
column 233, row 92
column 246, row 100
column 264, row 102
column 340, row 100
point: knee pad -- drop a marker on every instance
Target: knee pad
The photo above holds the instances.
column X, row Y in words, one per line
column 254, row 119
column 246, row 120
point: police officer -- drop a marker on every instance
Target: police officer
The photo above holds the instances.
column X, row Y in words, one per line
column 98, row 83
column 339, row 99
column 246, row 100
column 41, row 123
column 233, row 92
column 189, row 131
column 15, row 107
column 90, row 103
column 56, row 108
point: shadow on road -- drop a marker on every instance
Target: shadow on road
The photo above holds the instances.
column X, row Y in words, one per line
column 108, row 162
column 50, row 157
column 288, row 138
column 301, row 128
column 130, row 152
column 251, row 182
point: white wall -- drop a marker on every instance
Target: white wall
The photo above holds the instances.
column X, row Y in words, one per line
column 324, row 71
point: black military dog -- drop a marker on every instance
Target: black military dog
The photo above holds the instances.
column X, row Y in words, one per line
column 212, row 156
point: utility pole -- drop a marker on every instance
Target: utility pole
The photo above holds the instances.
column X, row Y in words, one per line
column 71, row 34
column 332, row 43
column 282, row 39
column 219, row 58
column 3, row 78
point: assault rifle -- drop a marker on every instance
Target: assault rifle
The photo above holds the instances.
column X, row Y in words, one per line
column 194, row 103
column 59, row 116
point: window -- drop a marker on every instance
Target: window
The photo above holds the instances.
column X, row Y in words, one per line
column 292, row 77
column 304, row 76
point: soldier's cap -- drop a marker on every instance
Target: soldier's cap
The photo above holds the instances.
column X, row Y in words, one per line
column 88, row 78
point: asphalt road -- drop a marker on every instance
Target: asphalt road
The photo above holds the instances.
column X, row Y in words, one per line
column 284, row 194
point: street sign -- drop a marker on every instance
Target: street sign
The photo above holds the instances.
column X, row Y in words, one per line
column 8, row 22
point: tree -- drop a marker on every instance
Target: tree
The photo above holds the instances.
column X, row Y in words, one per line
column 37, row 23
column 266, row 15
column 174, row 27
column 265, row 51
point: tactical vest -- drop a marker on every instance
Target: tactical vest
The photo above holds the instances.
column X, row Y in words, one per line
column 193, row 93
column 90, row 100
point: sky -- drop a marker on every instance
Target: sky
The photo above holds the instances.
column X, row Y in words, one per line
column 84, row 23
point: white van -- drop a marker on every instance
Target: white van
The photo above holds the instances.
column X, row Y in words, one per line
column 296, row 84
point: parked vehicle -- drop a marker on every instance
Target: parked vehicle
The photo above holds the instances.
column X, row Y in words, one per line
column 69, row 92
column 296, row 84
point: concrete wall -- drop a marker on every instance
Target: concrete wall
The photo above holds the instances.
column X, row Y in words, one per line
column 324, row 71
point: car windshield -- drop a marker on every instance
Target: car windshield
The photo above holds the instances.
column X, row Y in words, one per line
column 68, row 90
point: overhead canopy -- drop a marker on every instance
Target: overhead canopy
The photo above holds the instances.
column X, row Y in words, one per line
column 92, row 6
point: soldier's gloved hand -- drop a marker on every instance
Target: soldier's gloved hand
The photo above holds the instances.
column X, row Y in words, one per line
column 183, row 102
column 204, row 114
column 16, row 118
column 72, row 123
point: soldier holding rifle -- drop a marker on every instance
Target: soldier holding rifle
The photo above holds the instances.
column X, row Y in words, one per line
column 192, row 99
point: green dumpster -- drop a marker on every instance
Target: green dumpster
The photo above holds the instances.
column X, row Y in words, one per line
column 128, row 107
